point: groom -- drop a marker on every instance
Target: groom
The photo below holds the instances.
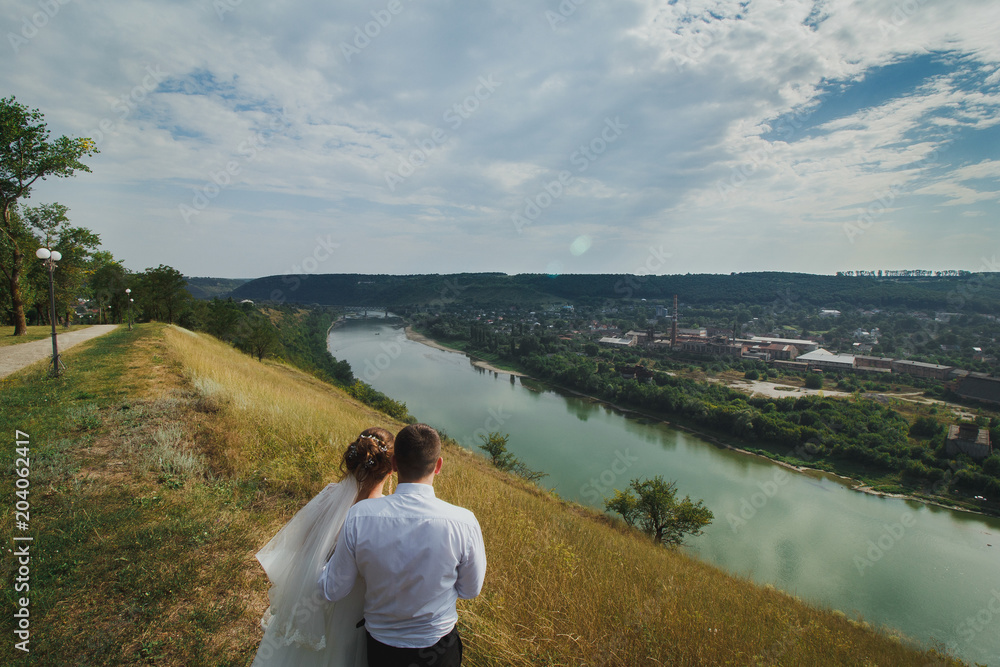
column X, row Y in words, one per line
column 417, row 555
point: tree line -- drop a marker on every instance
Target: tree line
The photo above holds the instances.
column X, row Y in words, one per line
column 978, row 293
column 85, row 273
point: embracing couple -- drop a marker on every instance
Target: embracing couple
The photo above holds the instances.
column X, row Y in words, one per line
column 359, row 578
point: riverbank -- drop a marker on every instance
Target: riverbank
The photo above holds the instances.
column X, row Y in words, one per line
column 850, row 476
column 476, row 361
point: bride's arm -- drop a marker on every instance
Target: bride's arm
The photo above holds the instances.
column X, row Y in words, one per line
column 341, row 571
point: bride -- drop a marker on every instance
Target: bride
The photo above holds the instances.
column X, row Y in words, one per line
column 302, row 629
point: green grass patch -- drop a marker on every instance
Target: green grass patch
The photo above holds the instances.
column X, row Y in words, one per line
column 136, row 543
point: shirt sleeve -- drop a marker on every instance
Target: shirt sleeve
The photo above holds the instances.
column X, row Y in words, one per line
column 341, row 571
column 472, row 567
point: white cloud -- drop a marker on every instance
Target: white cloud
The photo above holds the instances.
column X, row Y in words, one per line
column 713, row 157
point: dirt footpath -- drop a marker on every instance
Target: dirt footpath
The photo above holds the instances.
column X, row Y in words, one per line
column 15, row 357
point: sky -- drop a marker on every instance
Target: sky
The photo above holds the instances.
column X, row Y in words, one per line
column 243, row 138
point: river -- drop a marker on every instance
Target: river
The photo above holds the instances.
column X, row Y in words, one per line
column 930, row 572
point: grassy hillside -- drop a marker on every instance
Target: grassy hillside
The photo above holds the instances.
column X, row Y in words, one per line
column 163, row 460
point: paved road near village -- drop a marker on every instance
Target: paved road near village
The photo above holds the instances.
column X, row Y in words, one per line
column 15, row 357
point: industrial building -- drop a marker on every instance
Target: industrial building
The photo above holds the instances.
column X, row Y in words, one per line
column 802, row 345
column 879, row 364
column 979, row 387
column 968, row 439
column 828, row 360
column 922, row 370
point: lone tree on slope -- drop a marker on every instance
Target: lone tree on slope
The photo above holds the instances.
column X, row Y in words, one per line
column 657, row 511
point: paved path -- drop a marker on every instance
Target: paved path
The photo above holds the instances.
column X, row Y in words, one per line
column 15, row 357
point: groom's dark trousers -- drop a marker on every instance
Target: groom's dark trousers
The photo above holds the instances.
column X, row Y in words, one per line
column 447, row 652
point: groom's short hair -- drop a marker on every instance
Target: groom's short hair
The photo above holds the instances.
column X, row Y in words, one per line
column 417, row 450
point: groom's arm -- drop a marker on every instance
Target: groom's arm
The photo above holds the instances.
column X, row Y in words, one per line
column 472, row 567
column 341, row 571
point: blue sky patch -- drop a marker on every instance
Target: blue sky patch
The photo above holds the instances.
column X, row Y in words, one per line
column 841, row 99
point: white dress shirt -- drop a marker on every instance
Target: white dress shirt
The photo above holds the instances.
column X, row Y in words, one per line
column 417, row 554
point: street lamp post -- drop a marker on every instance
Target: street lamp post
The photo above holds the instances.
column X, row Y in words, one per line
column 128, row 291
column 50, row 257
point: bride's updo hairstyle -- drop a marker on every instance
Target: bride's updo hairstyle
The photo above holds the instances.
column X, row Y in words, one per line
column 368, row 459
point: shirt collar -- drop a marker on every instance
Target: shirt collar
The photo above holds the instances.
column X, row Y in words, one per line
column 414, row 489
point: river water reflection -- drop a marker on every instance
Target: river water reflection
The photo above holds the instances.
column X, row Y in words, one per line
column 932, row 573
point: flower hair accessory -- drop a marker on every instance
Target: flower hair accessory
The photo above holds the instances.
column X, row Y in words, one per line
column 381, row 445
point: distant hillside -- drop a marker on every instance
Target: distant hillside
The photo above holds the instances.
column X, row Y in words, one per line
column 210, row 288
column 970, row 293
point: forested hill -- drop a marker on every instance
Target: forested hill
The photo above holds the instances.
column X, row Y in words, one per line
column 969, row 293
column 208, row 288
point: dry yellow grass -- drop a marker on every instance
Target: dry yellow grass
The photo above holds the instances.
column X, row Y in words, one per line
column 565, row 585
column 276, row 422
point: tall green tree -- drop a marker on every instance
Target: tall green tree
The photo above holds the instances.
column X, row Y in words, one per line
column 657, row 512
column 106, row 284
column 27, row 156
column 162, row 293
column 259, row 337
column 15, row 244
column 75, row 244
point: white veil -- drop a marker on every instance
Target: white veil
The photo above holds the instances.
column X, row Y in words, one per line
column 293, row 561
